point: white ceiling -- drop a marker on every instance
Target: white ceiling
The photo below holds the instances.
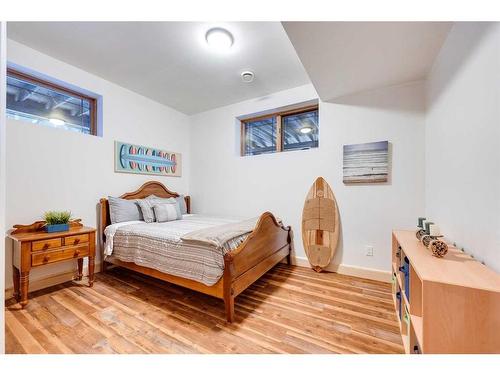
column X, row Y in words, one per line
column 170, row 62
column 344, row 58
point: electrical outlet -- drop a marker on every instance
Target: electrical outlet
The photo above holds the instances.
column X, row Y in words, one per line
column 369, row 251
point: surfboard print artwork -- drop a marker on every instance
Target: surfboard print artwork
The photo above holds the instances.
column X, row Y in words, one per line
column 130, row 158
column 320, row 225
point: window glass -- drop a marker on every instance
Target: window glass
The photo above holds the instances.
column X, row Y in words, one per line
column 300, row 131
column 260, row 136
column 33, row 101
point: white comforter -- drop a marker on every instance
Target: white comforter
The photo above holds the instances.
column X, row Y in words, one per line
column 159, row 246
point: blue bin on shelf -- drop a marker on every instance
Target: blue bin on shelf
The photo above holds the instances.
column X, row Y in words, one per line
column 405, row 270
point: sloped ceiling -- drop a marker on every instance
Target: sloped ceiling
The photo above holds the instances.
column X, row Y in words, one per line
column 343, row 58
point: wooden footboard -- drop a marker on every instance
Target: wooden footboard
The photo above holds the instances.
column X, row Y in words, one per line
column 267, row 245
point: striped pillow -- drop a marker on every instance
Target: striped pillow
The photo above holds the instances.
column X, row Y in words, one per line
column 181, row 201
column 146, row 206
column 166, row 212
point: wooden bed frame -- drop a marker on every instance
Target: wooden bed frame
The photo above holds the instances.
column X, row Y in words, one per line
column 268, row 244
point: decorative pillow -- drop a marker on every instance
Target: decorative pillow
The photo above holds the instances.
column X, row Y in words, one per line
column 166, row 212
column 146, row 206
column 123, row 210
column 182, row 204
column 158, row 200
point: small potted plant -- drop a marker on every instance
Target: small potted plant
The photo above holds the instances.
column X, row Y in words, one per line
column 57, row 221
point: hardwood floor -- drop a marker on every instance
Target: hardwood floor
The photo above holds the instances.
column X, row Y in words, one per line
column 289, row 310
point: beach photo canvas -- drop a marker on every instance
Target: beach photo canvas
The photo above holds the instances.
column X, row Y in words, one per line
column 366, row 162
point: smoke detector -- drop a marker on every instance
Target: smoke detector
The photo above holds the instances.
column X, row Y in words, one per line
column 247, row 76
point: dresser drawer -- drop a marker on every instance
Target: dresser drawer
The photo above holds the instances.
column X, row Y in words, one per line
column 46, row 244
column 75, row 240
column 64, row 253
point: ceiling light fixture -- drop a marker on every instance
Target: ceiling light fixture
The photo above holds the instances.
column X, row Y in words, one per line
column 56, row 121
column 219, row 39
column 306, row 130
column 247, row 76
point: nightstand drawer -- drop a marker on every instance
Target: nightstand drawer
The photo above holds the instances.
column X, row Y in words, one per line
column 75, row 240
column 46, row 244
column 59, row 255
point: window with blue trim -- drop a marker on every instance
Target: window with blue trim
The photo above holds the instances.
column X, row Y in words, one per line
column 45, row 103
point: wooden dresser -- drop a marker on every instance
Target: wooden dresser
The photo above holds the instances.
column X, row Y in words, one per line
column 35, row 248
column 444, row 305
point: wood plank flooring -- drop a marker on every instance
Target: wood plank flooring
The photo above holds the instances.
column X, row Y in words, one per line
column 289, row 310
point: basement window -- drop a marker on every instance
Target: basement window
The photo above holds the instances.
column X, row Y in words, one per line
column 45, row 103
column 295, row 129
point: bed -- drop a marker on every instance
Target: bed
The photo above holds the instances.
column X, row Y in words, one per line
column 224, row 275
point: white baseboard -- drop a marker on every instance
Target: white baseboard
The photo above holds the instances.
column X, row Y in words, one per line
column 344, row 269
column 48, row 281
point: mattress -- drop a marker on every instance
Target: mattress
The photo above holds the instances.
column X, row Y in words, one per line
column 159, row 246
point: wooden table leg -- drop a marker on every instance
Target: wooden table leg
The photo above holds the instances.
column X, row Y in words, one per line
column 80, row 269
column 24, row 281
column 15, row 278
column 91, row 270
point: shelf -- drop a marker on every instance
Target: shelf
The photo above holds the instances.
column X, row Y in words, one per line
column 416, row 322
column 406, row 299
column 400, row 283
column 448, row 284
column 406, row 343
column 455, row 268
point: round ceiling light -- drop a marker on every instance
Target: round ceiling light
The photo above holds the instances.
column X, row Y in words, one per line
column 247, row 76
column 306, row 130
column 219, row 39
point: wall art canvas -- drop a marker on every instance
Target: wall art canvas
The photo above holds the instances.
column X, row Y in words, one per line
column 366, row 162
column 130, row 158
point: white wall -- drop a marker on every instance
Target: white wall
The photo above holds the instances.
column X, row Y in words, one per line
column 3, row 50
column 222, row 182
column 55, row 169
column 463, row 140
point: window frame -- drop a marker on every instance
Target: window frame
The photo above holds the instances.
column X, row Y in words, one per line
column 279, row 126
column 54, row 86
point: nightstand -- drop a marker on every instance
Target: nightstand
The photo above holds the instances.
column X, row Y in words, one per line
column 35, row 248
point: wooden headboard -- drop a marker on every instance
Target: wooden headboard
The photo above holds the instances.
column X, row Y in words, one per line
column 149, row 188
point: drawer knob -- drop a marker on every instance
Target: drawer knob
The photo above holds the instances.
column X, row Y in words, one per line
column 45, row 246
column 76, row 240
column 77, row 252
column 45, row 258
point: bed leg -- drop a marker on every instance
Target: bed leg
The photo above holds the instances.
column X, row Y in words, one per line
column 289, row 258
column 229, row 302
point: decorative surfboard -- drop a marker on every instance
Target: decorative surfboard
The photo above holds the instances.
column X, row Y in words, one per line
column 320, row 225
column 131, row 158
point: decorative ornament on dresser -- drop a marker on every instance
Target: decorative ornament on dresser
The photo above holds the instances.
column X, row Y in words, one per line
column 439, row 248
column 130, row 158
column 57, row 221
column 320, row 225
column 366, row 162
column 430, row 237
